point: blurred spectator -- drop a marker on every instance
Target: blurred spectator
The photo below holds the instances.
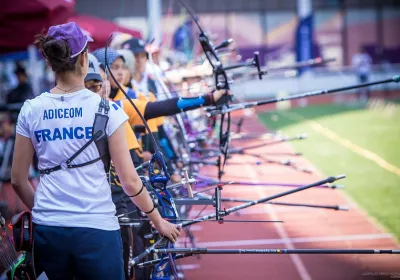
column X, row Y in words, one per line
column 384, row 67
column 361, row 63
column 140, row 80
column 130, row 66
column 47, row 82
column 106, row 88
column 23, row 91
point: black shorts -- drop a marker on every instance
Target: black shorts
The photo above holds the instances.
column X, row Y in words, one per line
column 83, row 253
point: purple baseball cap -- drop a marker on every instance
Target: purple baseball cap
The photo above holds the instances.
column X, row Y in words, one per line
column 72, row 34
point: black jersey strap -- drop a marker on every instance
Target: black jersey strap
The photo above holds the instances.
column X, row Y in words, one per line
column 99, row 130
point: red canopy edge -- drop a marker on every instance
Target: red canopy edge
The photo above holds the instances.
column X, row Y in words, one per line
column 21, row 20
column 100, row 29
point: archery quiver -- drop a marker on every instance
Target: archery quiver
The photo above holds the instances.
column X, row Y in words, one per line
column 22, row 231
column 23, row 269
column 99, row 138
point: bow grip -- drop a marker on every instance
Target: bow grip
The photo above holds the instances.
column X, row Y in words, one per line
column 225, row 99
column 161, row 178
column 221, row 82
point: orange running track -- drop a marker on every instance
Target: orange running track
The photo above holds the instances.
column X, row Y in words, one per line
column 302, row 227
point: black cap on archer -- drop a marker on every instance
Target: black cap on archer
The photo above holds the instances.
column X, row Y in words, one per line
column 135, row 45
column 93, row 69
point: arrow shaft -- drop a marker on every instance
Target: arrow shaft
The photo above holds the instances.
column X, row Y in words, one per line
column 216, row 111
column 274, row 251
column 203, row 162
column 310, row 62
column 324, row 91
column 332, row 207
column 239, row 65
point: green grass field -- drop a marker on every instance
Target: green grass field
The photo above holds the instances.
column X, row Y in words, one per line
column 373, row 188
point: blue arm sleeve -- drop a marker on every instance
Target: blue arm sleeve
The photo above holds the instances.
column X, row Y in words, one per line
column 174, row 106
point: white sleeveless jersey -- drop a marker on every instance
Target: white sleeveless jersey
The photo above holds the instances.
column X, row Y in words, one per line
column 58, row 126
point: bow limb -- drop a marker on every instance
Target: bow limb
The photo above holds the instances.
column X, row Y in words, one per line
column 221, row 83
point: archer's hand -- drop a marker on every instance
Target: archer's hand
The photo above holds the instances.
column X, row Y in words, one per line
column 146, row 156
column 105, row 89
column 167, row 229
column 176, row 178
column 219, row 93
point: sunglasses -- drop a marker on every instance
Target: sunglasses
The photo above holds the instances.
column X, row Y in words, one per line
column 95, row 88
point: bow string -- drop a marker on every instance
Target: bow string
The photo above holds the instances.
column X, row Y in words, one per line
column 158, row 181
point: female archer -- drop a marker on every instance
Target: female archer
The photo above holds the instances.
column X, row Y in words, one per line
column 75, row 133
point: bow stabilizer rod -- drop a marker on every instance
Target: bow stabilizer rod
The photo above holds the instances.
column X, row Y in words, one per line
column 189, row 220
column 203, row 181
column 284, row 139
column 188, row 252
column 310, row 62
column 156, row 261
column 239, row 200
column 213, row 111
column 263, row 200
column 331, row 207
column 276, row 251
